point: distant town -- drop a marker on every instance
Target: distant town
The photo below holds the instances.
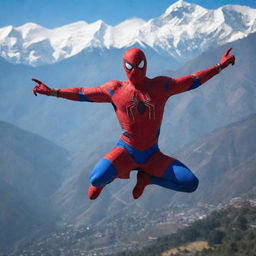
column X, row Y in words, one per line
column 119, row 233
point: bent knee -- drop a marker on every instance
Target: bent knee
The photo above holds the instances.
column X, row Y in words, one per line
column 192, row 185
column 103, row 173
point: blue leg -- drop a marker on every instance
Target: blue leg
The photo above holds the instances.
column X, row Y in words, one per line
column 103, row 173
column 177, row 177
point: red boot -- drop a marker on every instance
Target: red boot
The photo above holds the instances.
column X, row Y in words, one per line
column 93, row 192
column 143, row 179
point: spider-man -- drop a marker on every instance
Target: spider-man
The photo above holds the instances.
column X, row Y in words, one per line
column 139, row 105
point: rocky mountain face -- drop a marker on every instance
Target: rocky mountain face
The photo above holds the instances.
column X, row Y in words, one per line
column 182, row 32
column 31, row 170
column 225, row 162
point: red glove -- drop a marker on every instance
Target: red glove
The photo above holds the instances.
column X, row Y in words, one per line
column 41, row 88
column 227, row 59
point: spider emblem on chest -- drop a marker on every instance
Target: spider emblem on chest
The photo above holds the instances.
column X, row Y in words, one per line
column 141, row 106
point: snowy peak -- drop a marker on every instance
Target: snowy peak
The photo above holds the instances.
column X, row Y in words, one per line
column 183, row 31
column 181, row 8
column 239, row 17
column 181, row 13
column 5, row 31
column 178, row 4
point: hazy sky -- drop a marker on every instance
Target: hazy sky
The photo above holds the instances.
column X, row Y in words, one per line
column 54, row 13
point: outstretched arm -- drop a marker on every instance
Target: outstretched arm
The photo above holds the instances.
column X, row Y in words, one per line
column 186, row 83
column 91, row 94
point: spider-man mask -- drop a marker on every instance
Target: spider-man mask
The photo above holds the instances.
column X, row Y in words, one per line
column 135, row 66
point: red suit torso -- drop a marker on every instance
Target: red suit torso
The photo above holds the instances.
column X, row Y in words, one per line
column 140, row 112
column 139, row 102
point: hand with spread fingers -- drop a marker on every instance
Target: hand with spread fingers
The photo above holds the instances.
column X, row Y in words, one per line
column 41, row 88
column 227, row 59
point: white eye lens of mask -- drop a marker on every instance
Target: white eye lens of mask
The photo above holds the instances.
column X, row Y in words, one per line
column 141, row 65
column 128, row 66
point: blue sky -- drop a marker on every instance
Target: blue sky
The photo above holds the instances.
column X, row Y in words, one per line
column 54, row 13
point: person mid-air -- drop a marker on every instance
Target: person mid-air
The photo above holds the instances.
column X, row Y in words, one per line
column 139, row 105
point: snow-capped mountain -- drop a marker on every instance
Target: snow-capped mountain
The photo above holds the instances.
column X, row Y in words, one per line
column 183, row 31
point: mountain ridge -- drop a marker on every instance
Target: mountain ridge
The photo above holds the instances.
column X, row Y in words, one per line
column 31, row 169
column 183, row 31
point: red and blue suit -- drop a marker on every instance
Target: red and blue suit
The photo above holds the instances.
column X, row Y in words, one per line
column 139, row 106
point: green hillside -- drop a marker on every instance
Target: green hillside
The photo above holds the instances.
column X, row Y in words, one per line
column 231, row 231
